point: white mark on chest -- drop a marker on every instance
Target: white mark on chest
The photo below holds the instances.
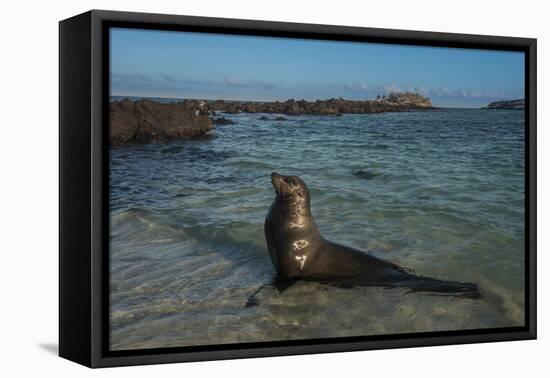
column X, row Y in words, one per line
column 301, row 260
column 298, row 245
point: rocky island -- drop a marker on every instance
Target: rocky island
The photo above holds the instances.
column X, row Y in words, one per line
column 147, row 121
column 510, row 104
column 394, row 102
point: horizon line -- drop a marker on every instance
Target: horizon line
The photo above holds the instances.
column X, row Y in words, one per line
column 301, row 99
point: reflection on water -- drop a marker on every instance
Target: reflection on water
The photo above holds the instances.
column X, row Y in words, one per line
column 441, row 193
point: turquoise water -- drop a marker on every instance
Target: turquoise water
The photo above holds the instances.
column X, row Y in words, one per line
column 439, row 192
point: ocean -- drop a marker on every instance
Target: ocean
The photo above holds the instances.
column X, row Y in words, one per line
column 439, row 192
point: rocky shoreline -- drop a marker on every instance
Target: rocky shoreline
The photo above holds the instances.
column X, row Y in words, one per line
column 509, row 104
column 147, row 121
column 394, row 102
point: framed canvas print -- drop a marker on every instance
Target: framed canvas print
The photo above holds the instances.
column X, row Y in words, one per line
column 234, row 188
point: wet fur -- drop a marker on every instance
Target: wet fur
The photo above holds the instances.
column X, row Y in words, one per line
column 299, row 252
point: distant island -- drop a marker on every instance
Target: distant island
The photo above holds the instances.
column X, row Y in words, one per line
column 146, row 121
column 394, row 102
column 509, row 104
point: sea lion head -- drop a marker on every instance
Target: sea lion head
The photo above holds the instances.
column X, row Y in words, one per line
column 290, row 189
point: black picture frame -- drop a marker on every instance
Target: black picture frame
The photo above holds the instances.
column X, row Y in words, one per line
column 83, row 182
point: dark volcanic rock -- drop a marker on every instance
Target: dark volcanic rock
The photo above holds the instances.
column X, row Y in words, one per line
column 264, row 118
column 222, row 121
column 395, row 102
column 148, row 121
column 511, row 104
column 365, row 175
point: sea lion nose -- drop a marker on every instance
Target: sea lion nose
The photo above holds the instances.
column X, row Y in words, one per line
column 275, row 179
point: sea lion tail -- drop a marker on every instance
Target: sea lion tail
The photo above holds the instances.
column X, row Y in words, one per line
column 442, row 287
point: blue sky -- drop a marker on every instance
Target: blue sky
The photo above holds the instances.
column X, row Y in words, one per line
column 212, row 66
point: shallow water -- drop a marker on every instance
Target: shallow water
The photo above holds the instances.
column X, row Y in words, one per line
column 440, row 192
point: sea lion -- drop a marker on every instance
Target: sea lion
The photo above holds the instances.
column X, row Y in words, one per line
column 299, row 251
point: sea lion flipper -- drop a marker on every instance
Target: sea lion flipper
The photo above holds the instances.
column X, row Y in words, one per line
column 271, row 241
column 282, row 284
column 252, row 301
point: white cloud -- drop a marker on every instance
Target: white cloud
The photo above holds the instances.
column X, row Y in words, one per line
column 165, row 79
column 389, row 88
column 446, row 92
